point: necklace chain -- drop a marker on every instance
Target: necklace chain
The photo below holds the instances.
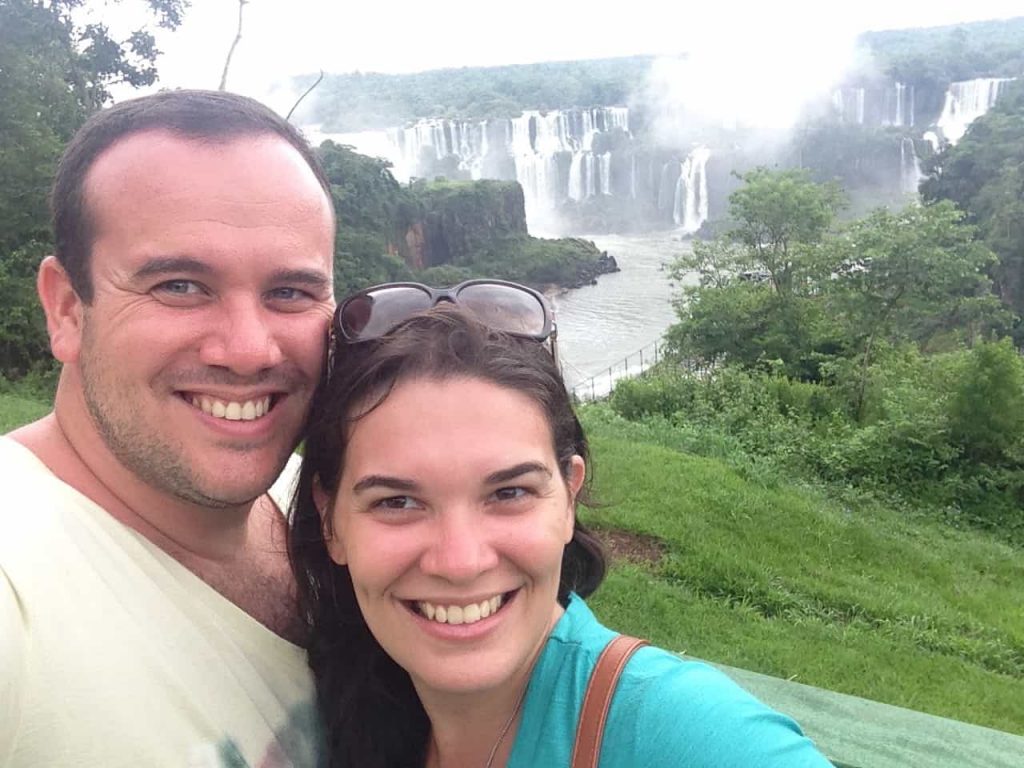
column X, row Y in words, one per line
column 505, row 728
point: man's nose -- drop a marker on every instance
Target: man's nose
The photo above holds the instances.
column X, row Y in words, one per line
column 244, row 341
column 460, row 548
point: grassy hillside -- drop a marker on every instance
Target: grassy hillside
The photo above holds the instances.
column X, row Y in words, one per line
column 778, row 579
column 16, row 410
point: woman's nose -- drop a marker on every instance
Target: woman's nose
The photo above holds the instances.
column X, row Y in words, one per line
column 460, row 548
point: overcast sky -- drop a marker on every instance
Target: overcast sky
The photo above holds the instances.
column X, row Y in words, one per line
column 734, row 41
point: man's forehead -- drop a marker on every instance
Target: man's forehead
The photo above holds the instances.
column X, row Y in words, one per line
column 165, row 153
column 147, row 166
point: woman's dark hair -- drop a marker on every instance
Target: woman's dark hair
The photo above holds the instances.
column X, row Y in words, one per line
column 371, row 713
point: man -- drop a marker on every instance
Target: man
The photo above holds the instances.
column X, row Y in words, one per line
column 147, row 613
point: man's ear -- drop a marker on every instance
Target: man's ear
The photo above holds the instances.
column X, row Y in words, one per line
column 64, row 310
column 325, row 506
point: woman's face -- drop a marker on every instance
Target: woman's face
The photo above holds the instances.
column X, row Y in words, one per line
column 452, row 516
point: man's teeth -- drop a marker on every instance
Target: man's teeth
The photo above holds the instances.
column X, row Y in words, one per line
column 460, row 614
column 232, row 410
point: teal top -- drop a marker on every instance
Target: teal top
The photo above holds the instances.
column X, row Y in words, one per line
column 667, row 712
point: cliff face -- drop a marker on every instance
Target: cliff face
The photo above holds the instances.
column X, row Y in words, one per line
column 456, row 222
column 478, row 229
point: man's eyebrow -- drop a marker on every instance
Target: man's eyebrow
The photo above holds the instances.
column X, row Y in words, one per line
column 164, row 265
column 309, row 277
column 169, row 265
column 504, row 475
column 384, row 481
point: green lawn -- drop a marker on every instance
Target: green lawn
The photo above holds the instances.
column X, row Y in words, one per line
column 16, row 410
column 785, row 581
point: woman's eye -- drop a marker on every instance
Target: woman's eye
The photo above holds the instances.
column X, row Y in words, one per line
column 396, row 502
column 510, row 494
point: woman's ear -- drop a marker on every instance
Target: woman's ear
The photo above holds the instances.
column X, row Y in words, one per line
column 325, row 506
column 577, row 474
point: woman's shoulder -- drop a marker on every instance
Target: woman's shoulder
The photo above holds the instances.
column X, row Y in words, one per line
column 674, row 711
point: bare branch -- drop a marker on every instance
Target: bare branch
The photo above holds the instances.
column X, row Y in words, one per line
column 304, row 95
column 231, row 51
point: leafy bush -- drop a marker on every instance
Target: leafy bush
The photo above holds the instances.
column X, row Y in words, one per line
column 987, row 410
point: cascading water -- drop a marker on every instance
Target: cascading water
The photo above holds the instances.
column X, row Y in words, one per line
column 910, row 167
column 552, row 155
column 890, row 105
column 690, row 205
column 966, row 101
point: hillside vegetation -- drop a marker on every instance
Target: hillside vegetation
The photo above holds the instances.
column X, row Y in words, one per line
column 739, row 567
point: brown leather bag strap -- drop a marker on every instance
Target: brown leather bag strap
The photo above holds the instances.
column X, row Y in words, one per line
column 598, row 699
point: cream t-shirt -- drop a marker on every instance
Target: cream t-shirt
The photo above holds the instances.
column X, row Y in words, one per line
column 113, row 654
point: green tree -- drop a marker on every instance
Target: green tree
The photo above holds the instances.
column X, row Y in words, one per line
column 781, row 216
column 987, row 410
column 908, row 276
column 756, row 302
column 53, row 74
column 984, row 175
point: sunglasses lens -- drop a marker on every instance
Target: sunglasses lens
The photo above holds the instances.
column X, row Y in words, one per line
column 370, row 315
column 505, row 308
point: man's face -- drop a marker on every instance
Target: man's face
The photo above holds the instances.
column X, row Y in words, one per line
column 199, row 353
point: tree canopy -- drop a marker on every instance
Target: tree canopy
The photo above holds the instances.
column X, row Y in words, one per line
column 984, row 175
column 53, row 74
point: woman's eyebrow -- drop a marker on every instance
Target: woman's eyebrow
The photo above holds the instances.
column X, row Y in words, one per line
column 384, row 481
column 503, row 475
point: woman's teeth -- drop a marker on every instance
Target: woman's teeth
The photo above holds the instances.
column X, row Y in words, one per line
column 460, row 614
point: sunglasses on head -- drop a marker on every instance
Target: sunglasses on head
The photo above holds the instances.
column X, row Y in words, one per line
column 507, row 307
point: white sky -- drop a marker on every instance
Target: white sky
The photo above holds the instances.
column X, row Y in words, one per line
column 756, row 40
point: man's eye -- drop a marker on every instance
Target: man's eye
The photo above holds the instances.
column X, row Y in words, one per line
column 288, row 294
column 179, row 287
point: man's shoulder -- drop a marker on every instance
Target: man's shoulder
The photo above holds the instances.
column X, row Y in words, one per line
column 22, row 471
column 283, row 489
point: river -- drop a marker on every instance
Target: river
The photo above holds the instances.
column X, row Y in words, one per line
column 626, row 312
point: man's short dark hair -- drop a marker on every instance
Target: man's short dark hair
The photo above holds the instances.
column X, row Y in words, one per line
column 192, row 114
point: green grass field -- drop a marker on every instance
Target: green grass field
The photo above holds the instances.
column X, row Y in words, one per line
column 16, row 410
column 786, row 581
column 782, row 580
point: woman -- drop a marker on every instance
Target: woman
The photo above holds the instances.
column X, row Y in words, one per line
column 441, row 564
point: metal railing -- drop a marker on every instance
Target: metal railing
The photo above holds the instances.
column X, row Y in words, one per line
column 600, row 385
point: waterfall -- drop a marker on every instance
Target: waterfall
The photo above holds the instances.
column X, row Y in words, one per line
column 690, row 206
column 899, row 106
column 849, row 104
column 556, row 156
column 606, row 173
column 910, row 167
column 966, row 101
column 576, row 178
